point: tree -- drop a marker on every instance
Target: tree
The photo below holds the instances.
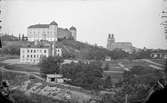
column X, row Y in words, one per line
column 107, row 82
column 50, row 65
column 138, row 81
column 88, row 76
column 107, row 67
column 12, row 50
column 118, row 54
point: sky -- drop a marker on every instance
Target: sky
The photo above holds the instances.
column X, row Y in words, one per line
column 136, row 21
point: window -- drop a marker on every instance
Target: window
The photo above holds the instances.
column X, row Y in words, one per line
column 31, row 56
column 44, row 51
column 27, row 55
column 52, row 79
column 34, row 51
column 28, row 51
column 31, row 51
column 34, row 56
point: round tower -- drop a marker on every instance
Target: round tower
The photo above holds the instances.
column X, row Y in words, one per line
column 52, row 31
column 73, row 31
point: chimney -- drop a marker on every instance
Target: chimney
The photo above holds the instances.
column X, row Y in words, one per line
column 53, row 49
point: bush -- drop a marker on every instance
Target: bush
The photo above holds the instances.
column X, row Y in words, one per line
column 50, row 65
column 88, row 76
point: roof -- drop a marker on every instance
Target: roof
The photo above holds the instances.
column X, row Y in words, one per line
column 54, row 75
column 53, row 23
column 43, row 25
column 122, row 45
column 39, row 26
column 72, row 28
column 34, row 48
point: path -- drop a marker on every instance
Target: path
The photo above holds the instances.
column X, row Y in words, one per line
column 153, row 64
column 22, row 72
column 149, row 61
column 122, row 66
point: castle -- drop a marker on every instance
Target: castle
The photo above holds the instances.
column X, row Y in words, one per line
column 125, row 46
column 50, row 32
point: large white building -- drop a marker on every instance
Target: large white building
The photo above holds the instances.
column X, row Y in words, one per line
column 33, row 55
column 50, row 32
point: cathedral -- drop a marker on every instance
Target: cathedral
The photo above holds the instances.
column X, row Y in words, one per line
column 50, row 32
column 125, row 46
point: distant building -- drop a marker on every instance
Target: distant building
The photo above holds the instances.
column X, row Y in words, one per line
column 107, row 58
column 50, row 32
column 159, row 55
column 125, row 46
column 32, row 55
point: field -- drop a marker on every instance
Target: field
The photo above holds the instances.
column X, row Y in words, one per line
column 117, row 67
column 24, row 67
column 15, row 64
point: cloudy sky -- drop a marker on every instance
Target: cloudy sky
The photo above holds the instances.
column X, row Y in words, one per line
column 136, row 21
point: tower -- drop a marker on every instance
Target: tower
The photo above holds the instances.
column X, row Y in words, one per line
column 52, row 31
column 73, row 31
column 110, row 41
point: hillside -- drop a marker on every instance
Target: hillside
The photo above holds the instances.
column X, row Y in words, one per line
column 71, row 49
column 82, row 50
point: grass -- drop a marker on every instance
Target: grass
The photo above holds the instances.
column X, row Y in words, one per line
column 23, row 67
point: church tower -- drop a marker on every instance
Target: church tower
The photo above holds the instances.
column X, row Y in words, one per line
column 110, row 41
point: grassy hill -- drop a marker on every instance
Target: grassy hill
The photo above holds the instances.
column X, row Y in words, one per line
column 82, row 50
column 71, row 49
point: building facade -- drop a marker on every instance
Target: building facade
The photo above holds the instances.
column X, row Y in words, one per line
column 159, row 55
column 34, row 55
column 50, row 32
column 125, row 46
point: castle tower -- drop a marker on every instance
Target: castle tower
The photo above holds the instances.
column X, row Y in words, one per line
column 110, row 41
column 52, row 31
column 73, row 31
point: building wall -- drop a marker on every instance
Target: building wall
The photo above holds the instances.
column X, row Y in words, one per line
column 159, row 55
column 32, row 55
column 74, row 34
column 58, row 52
column 49, row 34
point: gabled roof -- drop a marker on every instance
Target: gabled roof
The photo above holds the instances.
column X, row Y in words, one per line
column 53, row 23
column 42, row 25
column 39, row 26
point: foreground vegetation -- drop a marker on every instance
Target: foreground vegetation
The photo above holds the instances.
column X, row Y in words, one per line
column 20, row 97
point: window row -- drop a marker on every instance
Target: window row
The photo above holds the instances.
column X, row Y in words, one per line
column 35, row 51
column 30, row 60
column 32, row 56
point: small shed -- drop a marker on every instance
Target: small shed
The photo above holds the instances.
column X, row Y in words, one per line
column 107, row 58
column 54, row 78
